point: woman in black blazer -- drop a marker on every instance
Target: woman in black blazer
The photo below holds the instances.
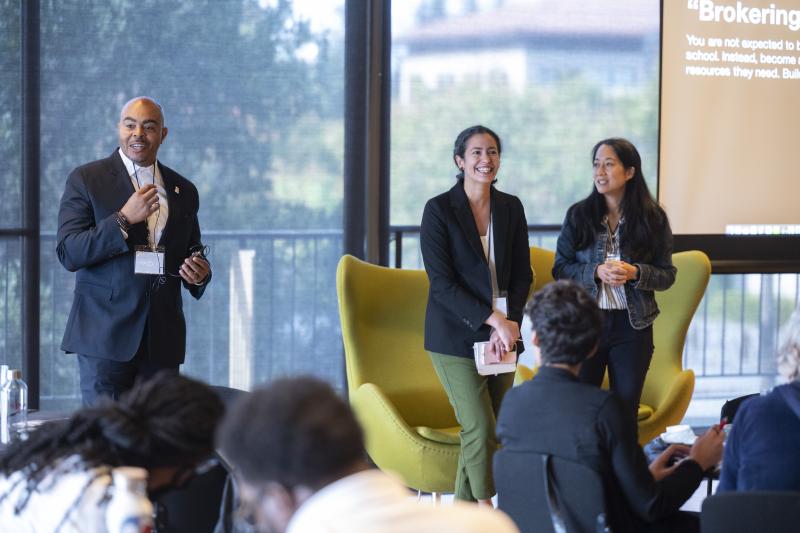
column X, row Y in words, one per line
column 474, row 242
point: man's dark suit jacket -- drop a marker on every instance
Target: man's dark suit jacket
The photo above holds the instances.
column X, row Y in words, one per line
column 112, row 304
column 460, row 296
column 556, row 414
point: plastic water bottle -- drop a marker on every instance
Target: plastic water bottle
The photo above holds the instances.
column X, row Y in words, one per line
column 13, row 408
column 129, row 510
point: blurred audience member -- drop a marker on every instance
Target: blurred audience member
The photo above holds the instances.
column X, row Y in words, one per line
column 299, row 460
column 60, row 478
column 762, row 449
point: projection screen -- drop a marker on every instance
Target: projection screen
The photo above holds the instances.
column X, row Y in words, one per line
column 730, row 116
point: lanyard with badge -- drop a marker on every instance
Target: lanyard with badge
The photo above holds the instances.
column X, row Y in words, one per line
column 508, row 360
column 149, row 259
column 499, row 298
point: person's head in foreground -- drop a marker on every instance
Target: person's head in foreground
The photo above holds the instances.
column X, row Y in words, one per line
column 566, row 324
column 298, row 455
column 164, row 424
column 761, row 452
column 286, row 441
column 789, row 354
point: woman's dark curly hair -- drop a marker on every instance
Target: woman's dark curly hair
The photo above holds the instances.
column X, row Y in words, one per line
column 167, row 420
column 567, row 322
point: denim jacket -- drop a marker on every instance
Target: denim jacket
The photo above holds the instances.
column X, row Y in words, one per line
column 580, row 266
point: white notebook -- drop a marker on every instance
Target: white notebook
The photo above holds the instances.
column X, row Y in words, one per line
column 507, row 364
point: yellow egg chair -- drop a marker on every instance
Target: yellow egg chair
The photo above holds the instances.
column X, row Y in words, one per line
column 542, row 261
column 668, row 386
column 409, row 425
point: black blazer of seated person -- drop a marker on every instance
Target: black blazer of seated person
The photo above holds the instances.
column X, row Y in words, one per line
column 556, row 414
column 460, row 296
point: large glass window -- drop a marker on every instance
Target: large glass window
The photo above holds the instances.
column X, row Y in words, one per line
column 10, row 183
column 252, row 92
column 551, row 77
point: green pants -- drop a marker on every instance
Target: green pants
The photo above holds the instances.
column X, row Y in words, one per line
column 476, row 401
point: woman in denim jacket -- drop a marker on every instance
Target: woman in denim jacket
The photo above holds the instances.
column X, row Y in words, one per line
column 617, row 243
column 474, row 242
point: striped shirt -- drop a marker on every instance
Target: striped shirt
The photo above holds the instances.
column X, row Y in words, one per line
column 609, row 297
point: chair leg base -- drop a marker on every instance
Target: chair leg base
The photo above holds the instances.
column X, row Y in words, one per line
column 436, row 498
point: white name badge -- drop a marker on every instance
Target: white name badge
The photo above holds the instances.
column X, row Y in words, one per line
column 149, row 261
column 501, row 304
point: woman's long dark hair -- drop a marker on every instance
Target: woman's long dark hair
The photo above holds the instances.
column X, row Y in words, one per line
column 167, row 420
column 645, row 221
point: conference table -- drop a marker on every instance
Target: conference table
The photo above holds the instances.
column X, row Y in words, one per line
column 36, row 418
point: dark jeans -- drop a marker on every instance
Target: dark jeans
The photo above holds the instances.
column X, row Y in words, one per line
column 104, row 377
column 627, row 353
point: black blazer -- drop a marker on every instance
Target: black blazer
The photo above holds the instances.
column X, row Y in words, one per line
column 556, row 414
column 111, row 303
column 460, row 295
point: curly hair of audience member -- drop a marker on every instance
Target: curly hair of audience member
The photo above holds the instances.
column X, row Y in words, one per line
column 166, row 420
column 567, row 322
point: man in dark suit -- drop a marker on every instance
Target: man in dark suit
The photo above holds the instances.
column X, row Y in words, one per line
column 558, row 415
column 127, row 225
